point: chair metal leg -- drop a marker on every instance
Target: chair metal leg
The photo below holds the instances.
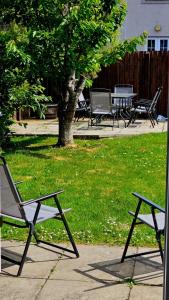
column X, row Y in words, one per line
column 132, row 119
column 26, row 249
column 66, row 227
column 158, row 238
column 128, row 240
column 70, row 235
column 151, row 119
column 36, row 237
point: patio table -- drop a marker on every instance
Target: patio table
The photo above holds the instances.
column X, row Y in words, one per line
column 122, row 103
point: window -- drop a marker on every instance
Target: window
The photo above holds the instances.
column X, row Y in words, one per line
column 163, row 45
column 151, row 45
column 158, row 44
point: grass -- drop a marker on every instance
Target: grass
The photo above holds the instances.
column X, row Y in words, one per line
column 98, row 177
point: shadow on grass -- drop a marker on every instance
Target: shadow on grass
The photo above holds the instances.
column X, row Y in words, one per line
column 29, row 146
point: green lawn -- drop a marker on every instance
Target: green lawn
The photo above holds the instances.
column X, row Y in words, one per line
column 98, row 177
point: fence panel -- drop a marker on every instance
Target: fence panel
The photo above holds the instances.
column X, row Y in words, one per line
column 145, row 70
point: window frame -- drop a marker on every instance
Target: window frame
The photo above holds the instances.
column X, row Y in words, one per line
column 158, row 43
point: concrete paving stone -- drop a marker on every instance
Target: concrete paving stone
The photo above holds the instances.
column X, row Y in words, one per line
column 39, row 261
column 146, row 293
column 148, row 269
column 96, row 263
column 97, row 274
column 76, row 290
column 12, row 288
column 50, row 127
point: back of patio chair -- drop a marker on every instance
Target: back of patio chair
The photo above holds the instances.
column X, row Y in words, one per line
column 123, row 88
column 9, row 196
column 155, row 99
column 101, row 102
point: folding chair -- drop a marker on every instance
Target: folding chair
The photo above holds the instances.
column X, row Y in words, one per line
column 124, row 104
column 82, row 109
column 155, row 220
column 101, row 106
column 30, row 213
column 123, row 88
column 146, row 107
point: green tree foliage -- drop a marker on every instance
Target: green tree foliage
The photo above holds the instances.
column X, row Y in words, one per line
column 68, row 42
column 18, row 89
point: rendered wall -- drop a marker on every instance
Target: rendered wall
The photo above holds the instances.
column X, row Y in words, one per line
column 144, row 17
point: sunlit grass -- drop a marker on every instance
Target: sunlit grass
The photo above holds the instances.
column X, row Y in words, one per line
column 98, row 177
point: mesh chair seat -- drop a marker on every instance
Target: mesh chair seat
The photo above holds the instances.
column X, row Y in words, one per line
column 46, row 212
column 148, row 219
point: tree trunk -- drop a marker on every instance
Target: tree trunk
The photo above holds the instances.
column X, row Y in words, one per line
column 66, row 110
column 65, row 129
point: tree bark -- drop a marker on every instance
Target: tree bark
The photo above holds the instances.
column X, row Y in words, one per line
column 66, row 110
column 65, row 128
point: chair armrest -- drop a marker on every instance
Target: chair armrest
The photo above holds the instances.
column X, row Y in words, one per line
column 41, row 198
column 150, row 203
column 143, row 102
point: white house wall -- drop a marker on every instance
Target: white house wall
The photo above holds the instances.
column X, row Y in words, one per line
column 146, row 17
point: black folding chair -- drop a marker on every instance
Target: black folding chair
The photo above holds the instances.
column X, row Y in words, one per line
column 155, row 220
column 29, row 213
column 146, row 107
column 101, row 107
column 82, row 109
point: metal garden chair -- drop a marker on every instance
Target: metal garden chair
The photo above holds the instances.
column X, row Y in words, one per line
column 28, row 213
column 155, row 220
column 101, row 106
column 123, row 88
column 146, row 107
column 124, row 105
column 82, row 109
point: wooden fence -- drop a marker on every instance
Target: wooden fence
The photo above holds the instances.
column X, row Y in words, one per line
column 146, row 71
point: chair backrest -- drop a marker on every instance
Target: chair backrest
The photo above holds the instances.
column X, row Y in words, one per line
column 82, row 102
column 155, row 99
column 100, row 101
column 123, row 88
column 81, row 97
column 9, row 197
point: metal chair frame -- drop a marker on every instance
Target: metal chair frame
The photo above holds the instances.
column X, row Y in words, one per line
column 125, row 105
column 59, row 214
column 82, row 109
column 148, row 107
column 102, row 111
column 139, row 219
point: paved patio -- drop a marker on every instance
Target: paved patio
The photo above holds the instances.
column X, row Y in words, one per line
column 96, row 275
column 81, row 129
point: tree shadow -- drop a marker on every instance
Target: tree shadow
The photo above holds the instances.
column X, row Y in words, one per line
column 30, row 146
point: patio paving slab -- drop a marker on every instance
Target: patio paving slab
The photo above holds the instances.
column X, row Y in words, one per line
column 97, row 274
column 81, row 129
column 146, row 293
